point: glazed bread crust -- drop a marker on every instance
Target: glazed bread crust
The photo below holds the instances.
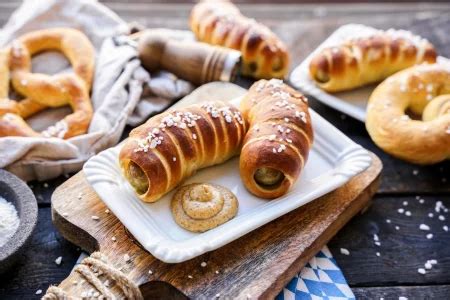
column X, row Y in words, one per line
column 171, row 146
column 41, row 90
column 361, row 61
column 220, row 23
column 279, row 139
column 424, row 91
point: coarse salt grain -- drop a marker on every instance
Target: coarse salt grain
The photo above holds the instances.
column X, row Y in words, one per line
column 96, row 218
column 421, row 270
column 38, row 292
column 190, row 276
column 174, row 158
column 58, row 260
column 203, row 264
column 408, row 213
column 429, row 236
column 377, row 254
column 405, row 203
column 113, row 239
column 107, row 211
column 424, row 227
column 430, row 215
column 388, row 221
column 126, row 258
column 442, row 218
column 445, row 227
column 428, row 265
column 415, row 172
column 400, row 210
column 150, row 272
column 397, row 228
column 422, row 201
column 344, row 251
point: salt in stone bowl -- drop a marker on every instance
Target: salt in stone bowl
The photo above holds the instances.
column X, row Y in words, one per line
column 19, row 194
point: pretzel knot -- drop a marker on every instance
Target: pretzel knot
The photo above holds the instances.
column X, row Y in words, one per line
column 424, row 92
column 41, row 91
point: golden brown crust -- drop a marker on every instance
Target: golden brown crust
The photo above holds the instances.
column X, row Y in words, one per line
column 417, row 89
column 199, row 207
column 173, row 145
column 361, row 61
column 221, row 23
column 41, row 90
column 279, row 137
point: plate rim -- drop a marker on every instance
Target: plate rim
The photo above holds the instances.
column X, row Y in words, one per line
column 352, row 160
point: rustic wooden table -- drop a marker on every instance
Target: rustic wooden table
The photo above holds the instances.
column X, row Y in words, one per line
column 404, row 248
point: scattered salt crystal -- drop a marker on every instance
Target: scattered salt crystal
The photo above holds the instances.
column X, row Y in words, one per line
column 388, row 221
column 58, row 260
column 96, row 218
column 45, row 184
column 217, row 272
column 408, row 213
column 217, row 295
column 445, row 227
column 424, row 227
column 402, row 298
column 429, row 236
column 174, row 158
column 194, row 136
column 421, row 270
column 378, row 254
column 405, row 203
column 107, row 211
column 127, row 258
column 397, row 228
column 433, row 261
column 377, row 243
column 113, row 239
column 344, row 251
column 442, row 218
column 38, row 292
column 415, row 172
column 203, row 264
column 428, row 265
column 401, row 210
column 376, row 238
column 150, row 272
column 65, row 214
column 190, row 276
column 422, row 201
column 430, row 215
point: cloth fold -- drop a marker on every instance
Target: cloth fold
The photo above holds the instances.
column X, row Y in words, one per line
column 119, row 84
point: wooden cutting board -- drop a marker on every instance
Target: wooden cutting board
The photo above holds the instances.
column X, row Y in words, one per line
column 258, row 265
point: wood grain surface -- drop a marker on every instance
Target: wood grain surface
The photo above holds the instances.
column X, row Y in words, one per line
column 259, row 264
column 304, row 27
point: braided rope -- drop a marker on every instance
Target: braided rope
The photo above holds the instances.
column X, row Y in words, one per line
column 98, row 261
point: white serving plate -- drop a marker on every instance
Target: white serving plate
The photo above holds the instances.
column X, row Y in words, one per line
column 333, row 160
column 352, row 103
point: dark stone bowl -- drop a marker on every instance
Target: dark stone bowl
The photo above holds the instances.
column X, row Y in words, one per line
column 19, row 194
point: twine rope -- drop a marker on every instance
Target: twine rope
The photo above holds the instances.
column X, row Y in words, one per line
column 97, row 261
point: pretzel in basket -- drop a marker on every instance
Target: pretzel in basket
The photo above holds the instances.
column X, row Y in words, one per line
column 41, row 90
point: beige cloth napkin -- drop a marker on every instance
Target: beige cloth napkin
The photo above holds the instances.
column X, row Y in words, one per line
column 119, row 85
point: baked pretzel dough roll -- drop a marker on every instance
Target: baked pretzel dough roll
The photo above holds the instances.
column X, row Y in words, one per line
column 360, row 61
column 424, row 91
column 264, row 55
column 280, row 136
column 171, row 146
column 199, row 207
column 42, row 90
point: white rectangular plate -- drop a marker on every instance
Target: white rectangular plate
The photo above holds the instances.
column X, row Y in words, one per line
column 353, row 102
column 333, row 160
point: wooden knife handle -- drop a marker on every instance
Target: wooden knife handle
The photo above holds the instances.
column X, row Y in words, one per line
column 193, row 61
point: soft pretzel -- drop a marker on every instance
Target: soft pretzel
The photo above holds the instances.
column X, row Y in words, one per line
column 41, row 90
column 360, row 61
column 424, row 91
column 171, row 146
column 264, row 55
column 280, row 136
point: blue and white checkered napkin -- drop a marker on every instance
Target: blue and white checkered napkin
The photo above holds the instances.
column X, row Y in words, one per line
column 321, row 278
